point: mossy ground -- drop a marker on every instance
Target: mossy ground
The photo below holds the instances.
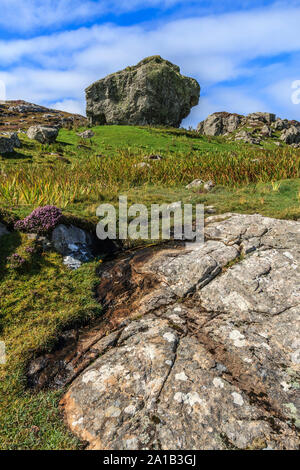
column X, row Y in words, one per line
column 77, row 175
column 35, row 304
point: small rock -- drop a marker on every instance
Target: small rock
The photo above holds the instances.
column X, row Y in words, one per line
column 142, row 165
column 209, row 185
column 210, row 210
column 195, row 184
column 88, row 134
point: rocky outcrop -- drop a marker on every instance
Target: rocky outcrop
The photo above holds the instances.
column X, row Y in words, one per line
column 291, row 135
column 20, row 115
column 43, row 134
column 151, row 93
column 199, row 347
column 250, row 129
column 219, row 124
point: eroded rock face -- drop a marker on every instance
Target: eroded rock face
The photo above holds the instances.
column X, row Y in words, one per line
column 204, row 349
column 151, row 93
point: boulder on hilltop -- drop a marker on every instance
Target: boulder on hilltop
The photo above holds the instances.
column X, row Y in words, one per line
column 153, row 92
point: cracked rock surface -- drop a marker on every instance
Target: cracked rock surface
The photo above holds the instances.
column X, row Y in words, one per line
column 201, row 345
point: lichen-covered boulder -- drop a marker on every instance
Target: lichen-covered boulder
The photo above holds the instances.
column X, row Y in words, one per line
column 43, row 134
column 151, row 93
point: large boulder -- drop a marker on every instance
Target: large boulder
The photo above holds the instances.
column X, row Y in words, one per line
column 43, row 134
column 204, row 350
column 151, row 93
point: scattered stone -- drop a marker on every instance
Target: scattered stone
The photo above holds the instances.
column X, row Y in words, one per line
column 42, row 134
column 195, row 184
column 209, row 185
column 27, row 108
column 142, row 165
column 266, row 131
column 88, row 134
column 210, row 210
column 151, row 93
column 247, row 138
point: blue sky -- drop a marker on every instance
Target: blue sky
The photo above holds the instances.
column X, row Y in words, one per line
column 245, row 54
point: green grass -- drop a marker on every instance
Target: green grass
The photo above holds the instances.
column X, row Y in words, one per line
column 90, row 172
column 45, row 298
column 35, row 305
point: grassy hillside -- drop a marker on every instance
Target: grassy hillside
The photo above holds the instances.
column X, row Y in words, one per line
column 43, row 297
column 77, row 174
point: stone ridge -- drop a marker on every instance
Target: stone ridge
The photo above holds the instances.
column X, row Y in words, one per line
column 204, row 343
column 18, row 115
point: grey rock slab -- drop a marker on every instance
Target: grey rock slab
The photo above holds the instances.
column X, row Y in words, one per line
column 212, row 358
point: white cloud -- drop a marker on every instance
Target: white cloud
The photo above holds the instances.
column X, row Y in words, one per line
column 26, row 15
column 214, row 49
column 70, row 106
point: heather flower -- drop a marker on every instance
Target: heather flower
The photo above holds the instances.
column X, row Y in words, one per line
column 15, row 261
column 42, row 220
column 30, row 249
